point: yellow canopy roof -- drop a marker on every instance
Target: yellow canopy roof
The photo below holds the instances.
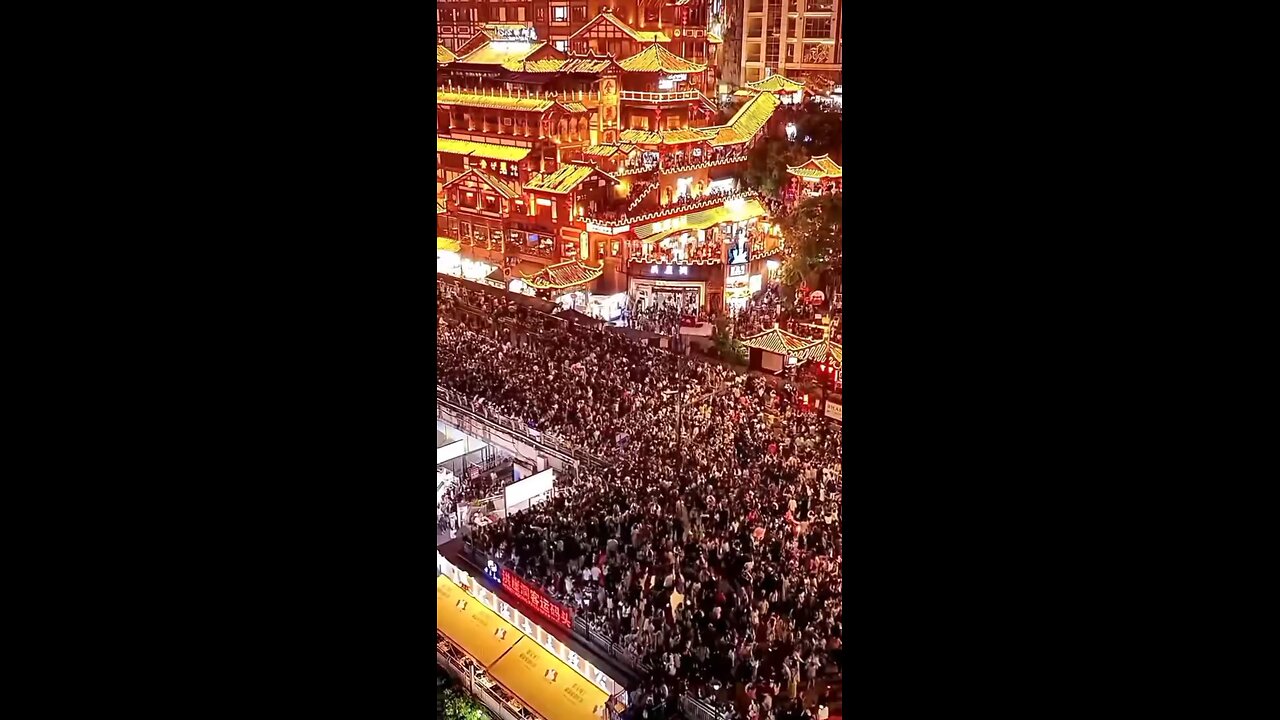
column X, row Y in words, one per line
column 472, row 627
column 565, row 179
column 497, row 53
column 819, row 166
column 468, row 99
column 606, row 15
column 447, row 244
column 509, row 153
column 747, row 121
column 735, row 211
column 777, row 83
column 570, row 696
column 443, row 55
column 656, row 58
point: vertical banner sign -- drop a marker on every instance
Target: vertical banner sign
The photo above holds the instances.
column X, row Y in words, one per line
column 609, row 109
column 534, row 598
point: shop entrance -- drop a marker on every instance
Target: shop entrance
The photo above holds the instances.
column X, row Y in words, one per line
column 680, row 300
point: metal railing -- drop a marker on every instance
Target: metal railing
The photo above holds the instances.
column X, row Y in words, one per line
column 581, row 629
column 660, row 96
column 544, row 442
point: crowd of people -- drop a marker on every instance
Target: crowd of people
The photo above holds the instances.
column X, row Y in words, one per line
column 664, row 318
column 708, row 542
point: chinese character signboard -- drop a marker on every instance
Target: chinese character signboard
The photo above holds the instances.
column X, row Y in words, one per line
column 534, row 598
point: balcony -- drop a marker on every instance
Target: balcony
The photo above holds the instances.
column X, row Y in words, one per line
column 667, row 167
column 676, row 96
column 678, row 207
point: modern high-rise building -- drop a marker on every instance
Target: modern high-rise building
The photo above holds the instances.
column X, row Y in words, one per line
column 796, row 38
column 689, row 28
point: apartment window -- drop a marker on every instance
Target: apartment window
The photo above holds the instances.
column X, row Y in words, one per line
column 791, row 52
column 579, row 13
column 754, row 74
column 771, row 51
column 562, row 45
column 755, row 6
column 520, row 14
column 818, row 5
column 753, row 52
column 502, row 14
column 793, row 27
column 475, row 16
column 559, row 13
column 817, row 27
column 755, row 27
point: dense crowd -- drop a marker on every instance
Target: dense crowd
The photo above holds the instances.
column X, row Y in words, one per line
column 708, row 544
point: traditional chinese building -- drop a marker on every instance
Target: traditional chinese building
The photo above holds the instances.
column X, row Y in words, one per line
column 816, row 176
column 600, row 169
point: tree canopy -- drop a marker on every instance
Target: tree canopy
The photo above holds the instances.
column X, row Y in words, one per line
column 814, row 230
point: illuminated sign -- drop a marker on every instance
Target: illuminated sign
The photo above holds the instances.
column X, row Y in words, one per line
column 669, row 269
column 678, row 77
column 607, row 229
column 737, row 270
column 514, row 32
column 835, row 411
column 534, row 598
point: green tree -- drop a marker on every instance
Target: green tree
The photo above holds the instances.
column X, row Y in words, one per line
column 726, row 345
column 767, row 163
column 814, row 231
column 825, row 128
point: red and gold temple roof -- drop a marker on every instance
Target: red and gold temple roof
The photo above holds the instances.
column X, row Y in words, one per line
column 607, row 16
column 819, row 167
column 656, row 58
column 567, row 178
column 564, row 275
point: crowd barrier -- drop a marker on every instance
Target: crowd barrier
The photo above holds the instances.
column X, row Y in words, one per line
column 563, row 450
column 580, row 629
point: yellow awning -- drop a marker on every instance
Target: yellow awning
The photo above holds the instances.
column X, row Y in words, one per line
column 448, row 244
column 472, row 627
column 570, row 696
column 731, row 211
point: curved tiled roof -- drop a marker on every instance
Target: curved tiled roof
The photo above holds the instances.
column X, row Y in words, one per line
column 656, row 58
column 564, row 180
column 501, row 186
column 510, row 153
column 607, row 150
column 776, row 83
column 731, row 211
column 666, row 137
column 502, row 102
column 444, row 55
column 821, row 166
column 564, row 275
column 779, row 341
column 747, row 121
column 822, row 351
column 608, row 16
column 499, row 54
